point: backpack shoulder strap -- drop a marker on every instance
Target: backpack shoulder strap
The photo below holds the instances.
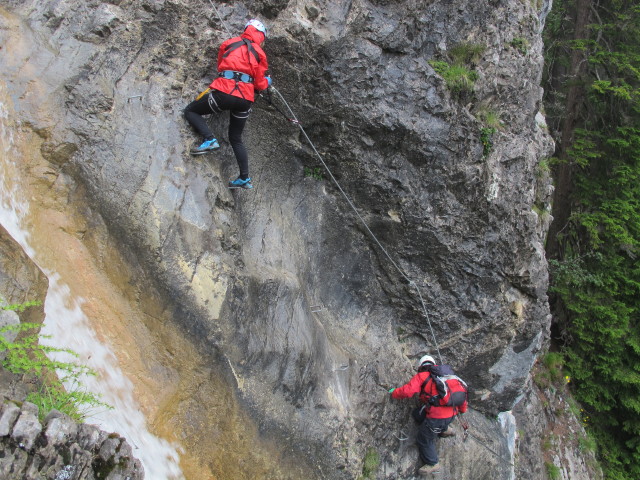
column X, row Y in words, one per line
column 251, row 49
column 232, row 46
column 424, row 384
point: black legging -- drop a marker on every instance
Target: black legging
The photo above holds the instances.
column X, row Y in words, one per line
column 239, row 110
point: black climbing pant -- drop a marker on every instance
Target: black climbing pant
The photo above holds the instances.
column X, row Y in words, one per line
column 239, row 110
column 427, row 436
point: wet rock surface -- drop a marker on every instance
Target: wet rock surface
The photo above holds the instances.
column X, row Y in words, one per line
column 57, row 448
column 304, row 313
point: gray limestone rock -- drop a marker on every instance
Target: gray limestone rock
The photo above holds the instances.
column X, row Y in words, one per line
column 285, row 285
column 109, row 448
column 59, row 428
column 55, row 452
column 89, row 436
column 8, row 415
column 26, row 429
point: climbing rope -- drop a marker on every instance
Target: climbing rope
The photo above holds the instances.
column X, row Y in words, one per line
column 293, row 119
column 221, row 19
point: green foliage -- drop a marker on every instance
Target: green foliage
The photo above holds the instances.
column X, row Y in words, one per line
column 27, row 357
column 543, row 168
column 587, row 443
column 554, row 361
column 551, row 374
column 313, row 172
column 486, row 138
column 459, row 79
column 540, row 210
column 20, row 307
column 489, row 118
column 370, row 464
column 520, row 44
column 75, row 401
column 574, row 407
column 458, row 72
column 552, row 470
column 467, row 53
column 596, row 277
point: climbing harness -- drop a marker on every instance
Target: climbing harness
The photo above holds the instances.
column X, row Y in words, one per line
column 237, row 76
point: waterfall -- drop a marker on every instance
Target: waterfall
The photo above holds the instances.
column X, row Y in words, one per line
column 70, row 328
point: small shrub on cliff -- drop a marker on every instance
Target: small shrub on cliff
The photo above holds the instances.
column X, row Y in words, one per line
column 458, row 78
column 489, row 118
column 587, row 443
column 554, row 361
column 458, row 72
column 552, row 470
column 20, row 307
column 27, row 357
column 520, row 44
column 467, row 53
column 370, row 464
column 313, row 172
column 486, row 138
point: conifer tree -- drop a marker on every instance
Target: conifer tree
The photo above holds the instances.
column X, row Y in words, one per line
column 594, row 246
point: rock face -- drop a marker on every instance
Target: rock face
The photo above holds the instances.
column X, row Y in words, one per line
column 551, row 436
column 60, row 449
column 20, row 281
column 305, row 311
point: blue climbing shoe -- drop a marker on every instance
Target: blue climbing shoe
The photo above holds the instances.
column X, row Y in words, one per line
column 207, row 146
column 240, row 183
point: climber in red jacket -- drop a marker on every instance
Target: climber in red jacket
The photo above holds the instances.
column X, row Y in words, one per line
column 242, row 65
column 437, row 418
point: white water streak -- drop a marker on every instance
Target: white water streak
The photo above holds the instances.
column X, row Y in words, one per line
column 70, row 328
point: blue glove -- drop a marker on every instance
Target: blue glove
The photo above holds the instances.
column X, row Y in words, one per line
column 268, row 80
column 391, row 391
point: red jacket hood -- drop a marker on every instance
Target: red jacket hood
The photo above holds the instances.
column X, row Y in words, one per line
column 254, row 35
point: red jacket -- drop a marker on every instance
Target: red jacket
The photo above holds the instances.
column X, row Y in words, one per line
column 240, row 60
column 414, row 386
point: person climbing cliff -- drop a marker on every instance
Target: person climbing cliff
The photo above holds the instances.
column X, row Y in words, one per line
column 242, row 65
column 437, row 409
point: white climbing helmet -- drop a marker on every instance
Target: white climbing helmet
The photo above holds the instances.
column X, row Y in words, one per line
column 426, row 359
column 258, row 25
